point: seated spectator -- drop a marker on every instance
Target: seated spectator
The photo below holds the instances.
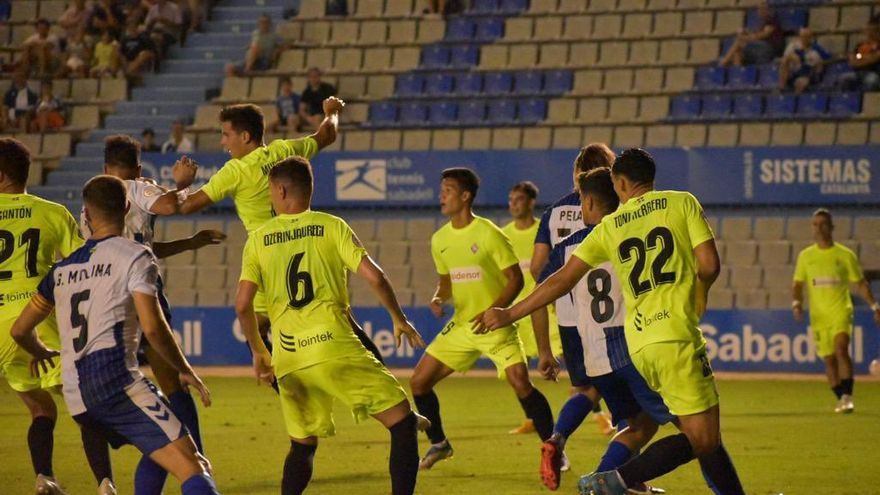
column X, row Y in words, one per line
column 443, row 7
column 136, row 49
column 20, row 103
column 263, row 52
column 288, row 108
column 75, row 18
column 761, row 46
column 41, row 51
column 177, row 141
column 105, row 61
column 148, row 141
column 803, row 62
column 865, row 61
column 336, row 7
column 76, row 57
column 106, row 15
column 311, row 110
column 50, row 111
column 163, row 21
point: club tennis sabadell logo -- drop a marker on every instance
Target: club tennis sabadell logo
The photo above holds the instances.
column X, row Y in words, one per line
column 361, row 180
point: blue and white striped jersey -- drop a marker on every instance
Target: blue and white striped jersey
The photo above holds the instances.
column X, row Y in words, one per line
column 92, row 293
column 139, row 220
column 562, row 219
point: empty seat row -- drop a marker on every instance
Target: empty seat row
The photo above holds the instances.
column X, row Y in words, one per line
column 25, row 11
column 491, row 83
column 644, row 80
column 445, row 113
column 746, row 77
column 362, row 32
column 54, row 145
column 80, row 90
column 596, row 110
column 790, row 18
column 474, row 28
column 846, row 17
column 794, row 228
column 350, row 59
column 405, row 8
column 579, row 6
column 756, row 106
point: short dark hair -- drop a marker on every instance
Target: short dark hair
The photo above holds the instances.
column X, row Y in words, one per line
column 148, row 131
column 526, row 187
column 43, row 21
column 467, row 179
column 295, row 171
column 106, row 196
column 635, row 164
column 823, row 212
column 597, row 183
column 15, row 160
column 594, row 155
column 121, row 150
column 245, row 117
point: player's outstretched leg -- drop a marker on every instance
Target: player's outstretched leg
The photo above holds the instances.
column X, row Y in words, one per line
column 41, row 438
column 182, row 460
column 404, row 461
column 720, row 473
column 298, row 465
column 428, row 372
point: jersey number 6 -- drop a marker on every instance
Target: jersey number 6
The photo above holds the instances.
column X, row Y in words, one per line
column 297, row 280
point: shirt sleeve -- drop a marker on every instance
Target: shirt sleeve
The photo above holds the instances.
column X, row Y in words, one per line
column 222, row 184
column 800, row 269
column 143, row 275
column 70, row 236
column 46, row 289
column 250, row 264
column 349, row 246
column 853, row 269
column 501, row 249
column 592, row 250
column 543, row 235
column 305, row 147
column 698, row 227
column 144, row 194
column 442, row 269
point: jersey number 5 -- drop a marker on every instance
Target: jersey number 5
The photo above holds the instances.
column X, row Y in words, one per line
column 77, row 319
column 31, row 237
column 658, row 237
column 300, row 288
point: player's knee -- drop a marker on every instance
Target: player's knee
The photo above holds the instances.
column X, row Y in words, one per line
column 704, row 442
column 419, row 384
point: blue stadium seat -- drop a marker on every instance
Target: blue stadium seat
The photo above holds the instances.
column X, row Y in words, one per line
column 812, row 104
column 833, row 73
column 845, row 104
column 748, row 106
column 498, row 83
column 532, row 111
column 460, row 29
column 473, row 112
column 685, row 107
column 439, row 84
column 383, row 113
column 484, row 6
column 557, row 82
column 527, row 82
column 469, row 83
column 793, row 18
column 742, row 77
column 514, row 6
column 465, row 55
column 502, row 111
column 753, row 20
column 781, row 105
column 716, row 107
column 710, row 77
column 768, row 76
column 413, row 114
column 443, row 113
column 435, row 56
column 410, row 85
column 490, row 28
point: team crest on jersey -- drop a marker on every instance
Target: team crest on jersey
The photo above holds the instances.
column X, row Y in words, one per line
column 475, row 248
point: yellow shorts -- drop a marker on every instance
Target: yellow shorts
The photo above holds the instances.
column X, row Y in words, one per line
column 15, row 362
column 458, row 347
column 360, row 382
column 526, row 332
column 680, row 373
column 824, row 334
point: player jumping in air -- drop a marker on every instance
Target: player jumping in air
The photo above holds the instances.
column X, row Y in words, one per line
column 300, row 259
column 827, row 268
column 104, row 293
column 478, row 270
column 663, row 249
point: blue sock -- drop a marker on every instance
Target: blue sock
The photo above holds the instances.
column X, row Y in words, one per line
column 149, row 477
column 572, row 414
column 621, row 425
column 615, row 456
column 199, row 484
column 184, row 407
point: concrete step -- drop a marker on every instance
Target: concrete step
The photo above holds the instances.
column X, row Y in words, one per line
column 93, row 149
column 157, row 122
column 248, row 13
column 192, row 80
column 259, row 3
column 169, row 94
column 225, row 54
column 235, row 26
column 58, row 193
column 193, row 66
column 156, row 107
column 64, row 178
column 218, row 40
column 82, row 164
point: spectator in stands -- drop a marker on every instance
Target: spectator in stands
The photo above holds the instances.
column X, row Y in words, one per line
column 75, row 18
column 106, row 15
column 20, row 102
column 803, row 62
column 136, row 49
column 336, row 7
column 105, row 61
column 177, row 141
column 76, row 57
column 163, row 21
column 41, row 51
column 50, row 110
column 263, row 52
column 865, row 61
column 761, row 46
column 311, row 110
column 148, row 141
column 444, row 7
column 288, row 108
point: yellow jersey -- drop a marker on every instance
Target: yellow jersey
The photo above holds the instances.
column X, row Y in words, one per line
column 523, row 241
column 827, row 274
column 300, row 261
column 650, row 242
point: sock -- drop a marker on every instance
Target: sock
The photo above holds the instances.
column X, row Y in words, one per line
column 404, row 462
column 184, row 407
column 660, row 458
column 720, row 473
column 149, row 477
column 838, row 390
column 200, row 484
column 847, row 385
column 538, row 410
column 97, row 453
column 429, row 407
column 572, row 414
column 368, row 343
column 41, row 442
column 615, row 456
column 297, row 468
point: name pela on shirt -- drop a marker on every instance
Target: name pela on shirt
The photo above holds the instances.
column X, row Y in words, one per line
column 647, row 208
column 83, row 274
column 293, row 234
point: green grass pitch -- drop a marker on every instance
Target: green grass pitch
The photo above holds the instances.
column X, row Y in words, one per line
column 781, row 434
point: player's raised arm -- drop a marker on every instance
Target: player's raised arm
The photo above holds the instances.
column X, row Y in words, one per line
column 369, row 271
column 329, row 128
column 199, row 240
